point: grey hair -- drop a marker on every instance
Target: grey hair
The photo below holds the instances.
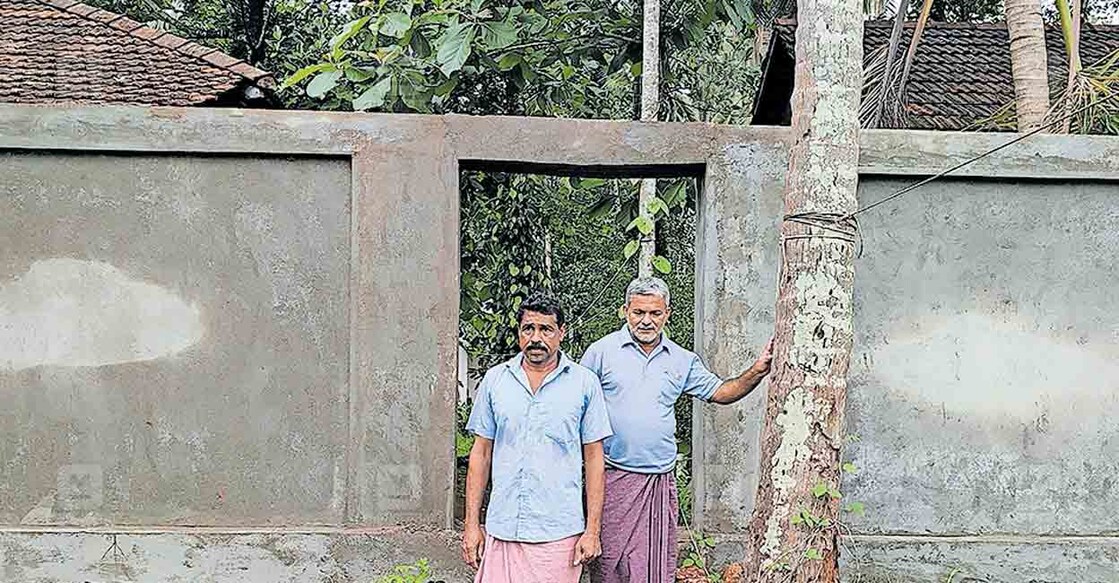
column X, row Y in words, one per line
column 648, row 286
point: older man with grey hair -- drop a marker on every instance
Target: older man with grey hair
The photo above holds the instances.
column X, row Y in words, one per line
column 643, row 373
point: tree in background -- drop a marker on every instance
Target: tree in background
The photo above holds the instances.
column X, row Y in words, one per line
column 1028, row 62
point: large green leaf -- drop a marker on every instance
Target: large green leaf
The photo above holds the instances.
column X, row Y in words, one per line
column 675, row 195
column 323, row 83
column 508, row 61
column 602, row 208
column 360, row 74
column 454, row 47
column 643, row 224
column 589, row 183
column 396, row 25
column 631, row 248
column 432, row 18
column 498, row 35
column 305, row 72
column 374, row 96
column 420, row 45
column 446, row 88
column 348, row 32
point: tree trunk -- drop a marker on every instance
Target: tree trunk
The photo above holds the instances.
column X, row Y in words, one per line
column 1069, row 12
column 793, row 533
column 762, row 37
column 1028, row 62
column 650, row 101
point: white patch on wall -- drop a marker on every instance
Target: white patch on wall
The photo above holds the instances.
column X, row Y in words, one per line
column 70, row 312
column 975, row 363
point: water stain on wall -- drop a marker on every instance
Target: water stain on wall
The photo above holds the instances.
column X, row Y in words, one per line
column 72, row 312
column 975, row 363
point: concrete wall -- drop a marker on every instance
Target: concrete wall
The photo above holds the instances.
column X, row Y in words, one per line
column 984, row 379
column 173, row 339
column 229, row 341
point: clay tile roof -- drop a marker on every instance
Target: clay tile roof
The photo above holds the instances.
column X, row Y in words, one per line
column 55, row 51
column 961, row 73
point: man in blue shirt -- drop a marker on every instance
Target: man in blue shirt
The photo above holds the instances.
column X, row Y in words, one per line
column 643, row 373
column 539, row 421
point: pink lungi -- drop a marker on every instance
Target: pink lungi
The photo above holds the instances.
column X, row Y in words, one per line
column 517, row 562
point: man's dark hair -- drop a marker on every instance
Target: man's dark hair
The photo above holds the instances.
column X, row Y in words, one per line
column 541, row 303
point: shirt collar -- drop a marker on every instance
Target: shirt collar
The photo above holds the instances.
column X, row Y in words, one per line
column 514, row 367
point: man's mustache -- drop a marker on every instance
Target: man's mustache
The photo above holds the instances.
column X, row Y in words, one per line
column 537, row 346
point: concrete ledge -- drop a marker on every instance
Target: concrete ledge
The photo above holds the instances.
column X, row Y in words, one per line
column 1040, row 157
column 959, row 559
column 211, row 556
column 990, row 559
column 565, row 142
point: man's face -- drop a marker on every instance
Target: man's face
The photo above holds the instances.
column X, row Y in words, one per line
column 646, row 317
column 539, row 337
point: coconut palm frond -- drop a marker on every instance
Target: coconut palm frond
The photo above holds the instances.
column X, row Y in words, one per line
column 874, row 75
column 1090, row 104
column 886, row 75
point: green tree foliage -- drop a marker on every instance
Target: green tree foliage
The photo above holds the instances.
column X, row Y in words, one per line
column 961, row 11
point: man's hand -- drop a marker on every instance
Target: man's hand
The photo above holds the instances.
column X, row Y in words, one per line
column 473, row 544
column 765, row 359
column 587, row 549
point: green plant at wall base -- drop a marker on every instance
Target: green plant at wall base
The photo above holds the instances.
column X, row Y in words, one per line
column 463, row 439
column 695, row 556
column 683, row 479
column 418, row 572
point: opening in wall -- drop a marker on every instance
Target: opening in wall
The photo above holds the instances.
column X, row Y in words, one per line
column 570, row 231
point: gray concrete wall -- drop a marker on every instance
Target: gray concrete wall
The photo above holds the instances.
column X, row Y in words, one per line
column 984, row 379
column 173, row 339
column 229, row 338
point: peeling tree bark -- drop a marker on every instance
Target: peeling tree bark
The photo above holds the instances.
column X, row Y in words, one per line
column 804, row 424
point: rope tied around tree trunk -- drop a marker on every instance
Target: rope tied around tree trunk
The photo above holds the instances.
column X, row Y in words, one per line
column 825, row 225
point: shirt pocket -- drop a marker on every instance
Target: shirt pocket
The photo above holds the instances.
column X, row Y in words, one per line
column 562, row 425
column 670, row 385
column 563, row 432
column 562, row 455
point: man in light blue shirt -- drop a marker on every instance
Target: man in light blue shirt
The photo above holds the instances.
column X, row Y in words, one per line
column 643, row 373
column 539, row 421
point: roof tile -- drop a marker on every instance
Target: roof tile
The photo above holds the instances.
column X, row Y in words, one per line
column 961, row 72
column 125, row 24
column 170, row 41
column 221, row 59
column 57, row 51
column 103, row 16
column 81, row 9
